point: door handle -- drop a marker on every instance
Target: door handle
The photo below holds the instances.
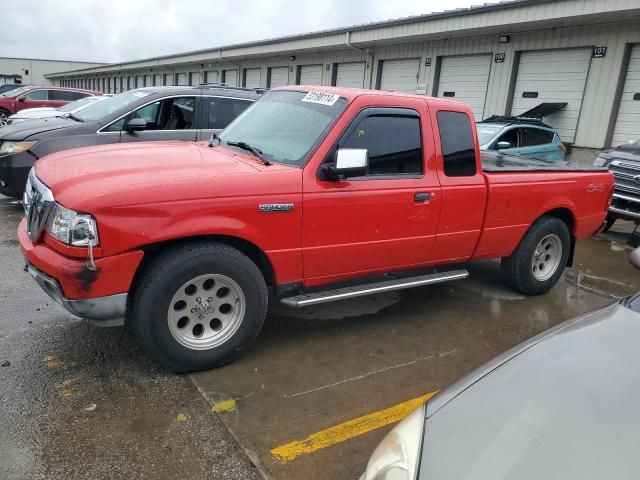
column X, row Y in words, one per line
column 423, row 196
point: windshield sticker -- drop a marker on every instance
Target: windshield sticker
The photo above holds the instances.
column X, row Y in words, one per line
column 321, row 98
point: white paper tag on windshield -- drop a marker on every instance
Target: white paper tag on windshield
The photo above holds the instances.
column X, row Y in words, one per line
column 321, row 98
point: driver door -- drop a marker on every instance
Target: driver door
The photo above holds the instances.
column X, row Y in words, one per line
column 385, row 220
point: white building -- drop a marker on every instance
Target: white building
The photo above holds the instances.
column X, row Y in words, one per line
column 32, row 71
column 501, row 59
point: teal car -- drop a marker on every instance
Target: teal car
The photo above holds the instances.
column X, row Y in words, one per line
column 516, row 136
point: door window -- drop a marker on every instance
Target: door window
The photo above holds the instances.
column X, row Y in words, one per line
column 392, row 141
column 64, row 95
column 37, row 95
column 458, row 148
column 536, row 136
column 511, row 136
column 223, row 110
column 168, row 114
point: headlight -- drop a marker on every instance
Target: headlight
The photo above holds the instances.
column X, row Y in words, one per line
column 600, row 161
column 397, row 456
column 71, row 227
column 15, row 147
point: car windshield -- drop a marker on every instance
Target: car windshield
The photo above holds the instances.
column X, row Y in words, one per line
column 15, row 92
column 286, row 125
column 103, row 108
column 486, row 133
column 83, row 102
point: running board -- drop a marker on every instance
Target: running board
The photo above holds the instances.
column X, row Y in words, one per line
column 379, row 287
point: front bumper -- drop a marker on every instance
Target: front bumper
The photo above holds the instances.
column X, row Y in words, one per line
column 625, row 205
column 14, row 170
column 104, row 311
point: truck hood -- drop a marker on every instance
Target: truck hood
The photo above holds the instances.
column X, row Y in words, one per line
column 110, row 176
column 23, row 130
column 37, row 112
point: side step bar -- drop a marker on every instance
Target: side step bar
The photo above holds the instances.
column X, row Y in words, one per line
column 368, row 289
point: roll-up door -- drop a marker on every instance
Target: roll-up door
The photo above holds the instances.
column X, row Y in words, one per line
column 181, row 78
column 548, row 76
column 310, row 75
column 464, row 78
column 252, row 77
column 400, row 75
column 157, row 80
column 627, row 125
column 350, row 75
column 278, row 76
column 211, row 76
column 230, row 78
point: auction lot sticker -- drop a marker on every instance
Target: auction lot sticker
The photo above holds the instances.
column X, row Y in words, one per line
column 321, row 98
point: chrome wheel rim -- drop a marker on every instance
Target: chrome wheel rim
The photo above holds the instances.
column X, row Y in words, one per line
column 546, row 258
column 4, row 118
column 206, row 311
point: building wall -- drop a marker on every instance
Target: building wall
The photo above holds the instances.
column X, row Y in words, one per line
column 37, row 69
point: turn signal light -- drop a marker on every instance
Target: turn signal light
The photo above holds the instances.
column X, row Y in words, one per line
column 562, row 147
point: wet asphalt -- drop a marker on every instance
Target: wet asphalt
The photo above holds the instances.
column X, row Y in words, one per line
column 81, row 402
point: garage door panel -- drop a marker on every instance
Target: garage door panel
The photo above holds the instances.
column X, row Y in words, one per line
column 350, row 75
column 231, row 78
column 400, row 75
column 311, row 75
column 467, row 76
column 252, row 77
column 278, row 77
column 556, row 76
column 627, row 126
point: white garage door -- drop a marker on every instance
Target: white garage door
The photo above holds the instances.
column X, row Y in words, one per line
column 465, row 78
column 628, row 121
column 553, row 76
column 157, row 80
column 278, row 76
column 350, row 75
column 182, row 78
column 310, row 75
column 252, row 77
column 230, row 78
column 400, row 75
column 211, row 76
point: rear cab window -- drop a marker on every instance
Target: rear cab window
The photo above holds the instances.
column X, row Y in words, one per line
column 458, row 146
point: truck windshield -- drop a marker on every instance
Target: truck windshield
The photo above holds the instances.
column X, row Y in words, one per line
column 284, row 125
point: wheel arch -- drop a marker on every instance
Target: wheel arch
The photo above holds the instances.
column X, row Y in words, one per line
column 250, row 249
column 567, row 216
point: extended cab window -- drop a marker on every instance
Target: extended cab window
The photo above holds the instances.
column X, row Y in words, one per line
column 223, row 110
column 458, row 148
column 393, row 143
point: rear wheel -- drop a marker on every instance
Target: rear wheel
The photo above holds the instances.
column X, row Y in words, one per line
column 537, row 263
column 4, row 117
column 198, row 306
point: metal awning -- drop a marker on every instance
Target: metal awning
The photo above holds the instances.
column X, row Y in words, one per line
column 543, row 110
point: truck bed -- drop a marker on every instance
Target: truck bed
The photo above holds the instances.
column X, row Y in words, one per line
column 494, row 162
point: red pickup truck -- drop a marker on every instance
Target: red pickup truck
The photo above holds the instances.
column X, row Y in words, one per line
column 310, row 188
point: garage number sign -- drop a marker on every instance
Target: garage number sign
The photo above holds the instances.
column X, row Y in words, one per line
column 499, row 58
column 599, row 52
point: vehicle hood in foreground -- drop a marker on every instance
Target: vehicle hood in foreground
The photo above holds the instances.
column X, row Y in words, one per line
column 145, row 173
column 562, row 405
column 23, row 130
column 35, row 112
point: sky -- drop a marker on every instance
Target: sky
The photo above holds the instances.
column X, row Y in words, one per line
column 121, row 30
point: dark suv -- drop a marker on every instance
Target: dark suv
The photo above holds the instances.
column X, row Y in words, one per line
column 145, row 114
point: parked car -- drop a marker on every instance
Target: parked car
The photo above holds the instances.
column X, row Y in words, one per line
column 556, row 406
column 69, row 109
column 7, row 87
column 624, row 163
column 517, row 136
column 150, row 113
column 34, row 96
column 183, row 239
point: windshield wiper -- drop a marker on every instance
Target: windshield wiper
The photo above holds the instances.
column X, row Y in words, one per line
column 256, row 152
column 73, row 117
column 214, row 137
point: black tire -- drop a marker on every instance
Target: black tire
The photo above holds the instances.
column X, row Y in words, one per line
column 608, row 223
column 4, row 115
column 518, row 268
column 163, row 277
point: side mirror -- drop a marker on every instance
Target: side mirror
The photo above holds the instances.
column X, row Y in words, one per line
column 21, row 99
column 136, row 125
column 503, row 145
column 634, row 257
column 350, row 162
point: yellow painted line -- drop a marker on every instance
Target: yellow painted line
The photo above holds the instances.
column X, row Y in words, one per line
column 224, row 406
column 182, row 417
column 347, row 430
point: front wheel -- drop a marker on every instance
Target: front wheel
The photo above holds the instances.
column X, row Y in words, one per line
column 539, row 260
column 4, row 117
column 198, row 306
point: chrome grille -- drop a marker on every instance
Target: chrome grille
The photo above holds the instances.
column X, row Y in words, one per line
column 38, row 201
column 627, row 176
